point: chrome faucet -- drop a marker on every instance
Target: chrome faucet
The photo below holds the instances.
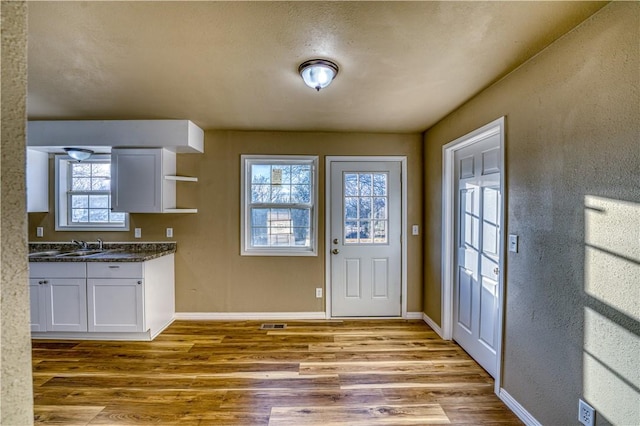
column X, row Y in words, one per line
column 99, row 244
column 81, row 244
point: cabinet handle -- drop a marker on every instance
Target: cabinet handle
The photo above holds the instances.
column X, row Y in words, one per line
column 113, row 266
column 139, row 282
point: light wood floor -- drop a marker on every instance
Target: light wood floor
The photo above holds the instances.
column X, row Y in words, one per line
column 389, row 372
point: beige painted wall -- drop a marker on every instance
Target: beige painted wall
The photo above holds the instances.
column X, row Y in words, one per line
column 211, row 276
column 573, row 175
column 16, row 397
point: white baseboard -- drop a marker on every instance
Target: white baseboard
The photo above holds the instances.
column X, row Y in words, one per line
column 431, row 323
column 250, row 316
column 414, row 315
column 518, row 409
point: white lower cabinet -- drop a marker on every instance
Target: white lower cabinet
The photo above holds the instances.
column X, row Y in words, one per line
column 115, row 303
column 84, row 299
column 59, row 297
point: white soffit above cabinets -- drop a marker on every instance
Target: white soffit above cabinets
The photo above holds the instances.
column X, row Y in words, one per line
column 180, row 136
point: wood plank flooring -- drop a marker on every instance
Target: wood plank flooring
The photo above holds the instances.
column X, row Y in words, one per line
column 378, row 372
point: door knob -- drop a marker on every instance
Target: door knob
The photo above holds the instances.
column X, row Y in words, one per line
column 496, row 270
column 335, row 251
column 335, row 241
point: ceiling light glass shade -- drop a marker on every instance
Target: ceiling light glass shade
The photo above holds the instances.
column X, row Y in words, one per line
column 318, row 73
column 79, row 154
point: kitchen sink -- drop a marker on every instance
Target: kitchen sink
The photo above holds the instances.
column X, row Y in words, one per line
column 81, row 253
column 49, row 253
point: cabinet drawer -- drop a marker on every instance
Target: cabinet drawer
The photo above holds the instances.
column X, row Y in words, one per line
column 114, row 270
column 57, row 270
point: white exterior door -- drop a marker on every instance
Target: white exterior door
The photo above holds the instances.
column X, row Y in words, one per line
column 365, row 238
column 477, row 235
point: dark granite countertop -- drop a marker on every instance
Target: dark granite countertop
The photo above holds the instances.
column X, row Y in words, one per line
column 112, row 252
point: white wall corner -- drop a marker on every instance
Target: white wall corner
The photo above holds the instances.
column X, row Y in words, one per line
column 431, row 323
column 518, row 409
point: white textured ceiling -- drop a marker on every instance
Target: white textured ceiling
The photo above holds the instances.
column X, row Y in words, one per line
column 233, row 65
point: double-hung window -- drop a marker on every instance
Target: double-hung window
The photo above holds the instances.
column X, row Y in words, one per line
column 279, row 196
column 83, row 196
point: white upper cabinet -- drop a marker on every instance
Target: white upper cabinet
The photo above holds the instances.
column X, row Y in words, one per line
column 37, row 181
column 144, row 181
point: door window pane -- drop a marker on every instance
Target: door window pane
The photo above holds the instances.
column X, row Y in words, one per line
column 365, row 198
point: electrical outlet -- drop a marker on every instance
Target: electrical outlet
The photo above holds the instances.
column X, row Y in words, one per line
column 137, row 233
column 319, row 293
column 415, row 230
column 586, row 413
column 169, row 232
column 39, row 231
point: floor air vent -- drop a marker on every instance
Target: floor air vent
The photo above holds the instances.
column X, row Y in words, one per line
column 273, row 326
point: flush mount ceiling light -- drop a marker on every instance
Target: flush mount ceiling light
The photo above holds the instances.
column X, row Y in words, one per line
column 318, row 73
column 79, row 154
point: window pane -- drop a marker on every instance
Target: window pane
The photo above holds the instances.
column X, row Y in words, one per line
column 79, row 215
column 380, row 208
column 80, row 169
column 99, row 215
column 380, row 184
column 81, row 184
column 300, row 174
column 380, row 232
column 280, row 194
column 351, row 208
column 351, row 232
column 365, row 232
column 301, row 218
column 285, row 173
column 78, row 201
column 259, row 237
column 365, row 208
column 116, row 217
column 280, row 218
column 260, row 173
column 350, row 185
column 101, row 170
column 99, row 201
column 259, row 217
column 260, row 193
column 365, row 184
column 301, row 194
column 301, row 237
column 100, row 184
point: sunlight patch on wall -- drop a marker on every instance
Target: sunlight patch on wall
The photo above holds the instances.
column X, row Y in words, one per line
column 612, row 253
column 611, row 373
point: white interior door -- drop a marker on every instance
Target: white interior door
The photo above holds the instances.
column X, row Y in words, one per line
column 366, row 249
column 477, row 235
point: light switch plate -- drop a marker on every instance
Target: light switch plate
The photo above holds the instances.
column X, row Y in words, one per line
column 137, row 233
column 513, row 243
column 39, row 231
column 169, row 232
column 319, row 292
column 415, row 230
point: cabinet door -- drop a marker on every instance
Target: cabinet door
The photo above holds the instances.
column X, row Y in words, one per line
column 37, row 181
column 66, row 304
column 116, row 304
column 136, row 180
column 38, row 305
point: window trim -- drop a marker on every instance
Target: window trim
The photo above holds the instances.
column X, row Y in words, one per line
column 62, row 214
column 245, row 217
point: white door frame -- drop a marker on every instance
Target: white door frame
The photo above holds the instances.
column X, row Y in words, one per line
column 327, row 222
column 448, row 231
